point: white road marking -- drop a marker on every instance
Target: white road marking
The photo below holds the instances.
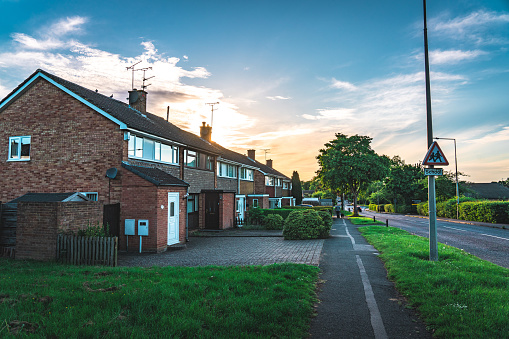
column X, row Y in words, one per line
column 348, row 233
column 487, row 235
column 376, row 318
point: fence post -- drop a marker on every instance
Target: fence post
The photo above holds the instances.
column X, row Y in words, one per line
column 386, row 222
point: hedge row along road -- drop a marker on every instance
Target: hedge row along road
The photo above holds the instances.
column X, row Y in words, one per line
column 491, row 244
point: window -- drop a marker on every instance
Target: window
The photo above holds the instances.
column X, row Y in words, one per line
column 209, row 163
column 278, row 182
column 149, row 149
column 192, row 203
column 285, row 185
column 192, row 158
column 19, row 148
column 269, row 181
column 255, row 203
column 226, row 170
column 246, row 174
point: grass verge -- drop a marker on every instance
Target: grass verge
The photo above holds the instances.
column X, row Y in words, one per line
column 53, row 300
column 459, row 296
column 364, row 221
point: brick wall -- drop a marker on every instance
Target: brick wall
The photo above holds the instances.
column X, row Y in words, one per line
column 227, row 184
column 199, row 179
column 39, row 223
column 247, row 187
column 259, row 182
column 227, row 210
column 72, row 146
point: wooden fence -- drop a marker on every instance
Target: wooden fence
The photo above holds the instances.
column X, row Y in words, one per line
column 87, row 250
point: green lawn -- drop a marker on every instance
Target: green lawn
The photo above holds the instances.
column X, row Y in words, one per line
column 52, row 300
column 459, row 296
column 361, row 220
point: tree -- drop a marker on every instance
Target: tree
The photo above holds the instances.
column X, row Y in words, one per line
column 296, row 188
column 403, row 183
column 504, row 182
column 349, row 164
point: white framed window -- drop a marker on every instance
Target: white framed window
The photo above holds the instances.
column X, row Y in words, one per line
column 246, row 174
column 285, row 185
column 192, row 158
column 209, row 162
column 19, row 148
column 255, row 203
column 145, row 148
column 226, row 170
column 269, row 181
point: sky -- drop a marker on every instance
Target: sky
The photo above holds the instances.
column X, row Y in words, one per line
column 288, row 75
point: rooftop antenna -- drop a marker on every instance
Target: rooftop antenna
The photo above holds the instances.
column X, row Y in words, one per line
column 266, row 150
column 139, row 69
column 212, row 109
column 143, row 86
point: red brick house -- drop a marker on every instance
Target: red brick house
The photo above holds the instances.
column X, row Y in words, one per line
column 57, row 136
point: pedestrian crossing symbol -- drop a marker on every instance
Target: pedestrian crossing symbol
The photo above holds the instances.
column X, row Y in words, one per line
column 435, row 156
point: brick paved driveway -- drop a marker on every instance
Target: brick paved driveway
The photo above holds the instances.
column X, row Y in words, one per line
column 226, row 251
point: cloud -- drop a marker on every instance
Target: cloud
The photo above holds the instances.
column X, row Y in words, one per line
column 56, row 49
column 278, row 97
column 331, row 114
column 478, row 27
column 342, row 85
column 66, row 26
column 51, row 37
column 453, row 56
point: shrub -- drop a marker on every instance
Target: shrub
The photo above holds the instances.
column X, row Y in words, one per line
column 303, row 224
column 405, row 209
column 389, row 208
column 422, row 208
column 273, row 222
column 324, row 231
column 95, row 231
column 485, row 211
column 255, row 215
column 373, row 207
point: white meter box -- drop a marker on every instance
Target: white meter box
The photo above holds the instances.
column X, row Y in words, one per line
column 143, row 227
column 129, row 226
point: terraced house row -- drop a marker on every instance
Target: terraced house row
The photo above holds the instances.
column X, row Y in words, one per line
column 57, row 136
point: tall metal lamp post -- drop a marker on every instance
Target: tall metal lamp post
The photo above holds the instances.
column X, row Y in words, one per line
column 457, row 186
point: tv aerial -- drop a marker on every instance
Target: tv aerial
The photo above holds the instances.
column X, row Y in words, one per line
column 132, row 67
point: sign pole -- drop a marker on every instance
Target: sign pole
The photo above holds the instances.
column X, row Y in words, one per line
column 433, row 246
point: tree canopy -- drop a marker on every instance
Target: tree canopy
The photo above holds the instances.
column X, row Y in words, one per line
column 348, row 164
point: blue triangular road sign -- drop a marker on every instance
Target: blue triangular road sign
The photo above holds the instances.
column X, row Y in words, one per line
column 435, row 156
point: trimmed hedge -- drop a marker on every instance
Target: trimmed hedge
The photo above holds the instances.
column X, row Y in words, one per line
column 389, row 208
column 306, row 224
column 273, row 222
column 496, row 212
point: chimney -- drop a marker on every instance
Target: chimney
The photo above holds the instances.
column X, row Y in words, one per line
column 251, row 153
column 269, row 162
column 138, row 100
column 206, row 132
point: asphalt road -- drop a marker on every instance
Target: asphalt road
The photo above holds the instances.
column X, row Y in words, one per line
column 491, row 244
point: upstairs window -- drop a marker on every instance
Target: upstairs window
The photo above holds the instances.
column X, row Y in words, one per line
column 226, row 170
column 209, row 163
column 145, row 148
column 192, row 158
column 285, row 185
column 19, row 148
column 246, row 174
column 269, row 181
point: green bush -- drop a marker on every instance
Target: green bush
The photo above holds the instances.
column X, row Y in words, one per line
column 389, row 208
column 304, row 224
column 255, row 215
column 95, row 231
column 324, row 231
column 273, row 222
column 422, row 208
column 373, row 207
column 406, row 209
column 485, row 211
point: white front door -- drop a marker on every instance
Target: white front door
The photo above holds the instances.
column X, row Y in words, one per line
column 241, row 207
column 173, row 218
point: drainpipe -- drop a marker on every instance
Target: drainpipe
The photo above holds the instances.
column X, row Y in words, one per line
column 187, row 218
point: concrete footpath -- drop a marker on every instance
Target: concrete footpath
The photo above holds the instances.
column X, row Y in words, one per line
column 356, row 298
